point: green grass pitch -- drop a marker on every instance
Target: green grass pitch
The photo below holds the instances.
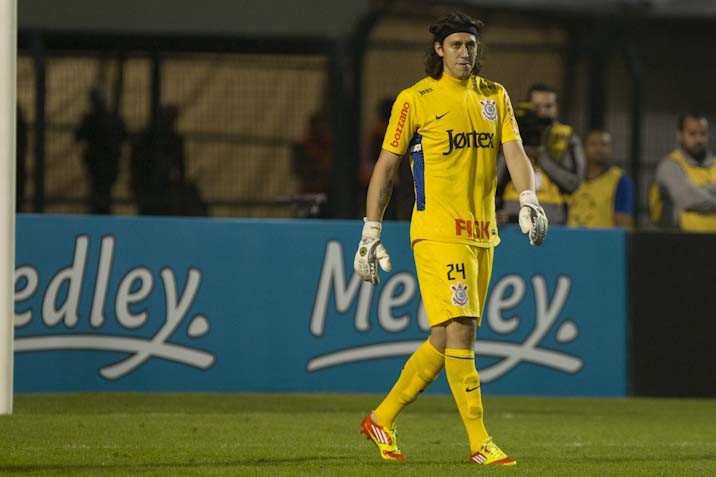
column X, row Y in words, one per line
column 289, row 434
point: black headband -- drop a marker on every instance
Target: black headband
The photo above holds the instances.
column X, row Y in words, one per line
column 440, row 37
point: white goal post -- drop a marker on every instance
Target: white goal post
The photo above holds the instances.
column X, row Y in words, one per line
column 8, row 79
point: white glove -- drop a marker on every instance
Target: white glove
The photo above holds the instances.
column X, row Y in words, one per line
column 532, row 218
column 371, row 253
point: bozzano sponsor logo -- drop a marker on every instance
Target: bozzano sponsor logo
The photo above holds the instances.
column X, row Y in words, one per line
column 401, row 124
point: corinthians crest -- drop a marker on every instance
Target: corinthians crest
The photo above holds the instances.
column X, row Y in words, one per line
column 489, row 109
column 459, row 294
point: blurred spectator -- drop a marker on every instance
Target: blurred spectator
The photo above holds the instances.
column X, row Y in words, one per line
column 104, row 132
column 400, row 206
column 20, row 156
column 606, row 197
column 158, row 170
column 313, row 156
column 312, row 165
column 374, row 142
column 556, row 154
column 684, row 193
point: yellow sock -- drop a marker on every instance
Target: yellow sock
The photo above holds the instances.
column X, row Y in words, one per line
column 419, row 371
column 465, row 386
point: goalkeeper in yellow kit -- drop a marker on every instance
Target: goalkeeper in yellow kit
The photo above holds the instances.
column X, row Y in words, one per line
column 453, row 123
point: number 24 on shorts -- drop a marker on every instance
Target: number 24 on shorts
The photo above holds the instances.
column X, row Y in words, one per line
column 454, row 269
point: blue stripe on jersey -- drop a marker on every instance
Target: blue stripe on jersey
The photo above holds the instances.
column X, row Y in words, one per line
column 416, row 152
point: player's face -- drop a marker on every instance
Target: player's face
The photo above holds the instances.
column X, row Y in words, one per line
column 694, row 136
column 545, row 104
column 598, row 147
column 459, row 53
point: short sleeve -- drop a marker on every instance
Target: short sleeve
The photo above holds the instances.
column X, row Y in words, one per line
column 509, row 129
column 401, row 125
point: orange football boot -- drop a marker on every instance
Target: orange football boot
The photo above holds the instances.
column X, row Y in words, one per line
column 490, row 454
column 385, row 439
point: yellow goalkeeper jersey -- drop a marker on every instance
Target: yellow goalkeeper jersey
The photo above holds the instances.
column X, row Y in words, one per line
column 453, row 130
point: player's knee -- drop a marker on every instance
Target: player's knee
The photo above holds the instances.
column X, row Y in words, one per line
column 461, row 333
column 438, row 337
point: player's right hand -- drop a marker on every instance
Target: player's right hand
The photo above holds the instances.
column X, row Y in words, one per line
column 371, row 253
column 532, row 218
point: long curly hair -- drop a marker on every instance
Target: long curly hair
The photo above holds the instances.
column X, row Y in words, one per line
column 433, row 62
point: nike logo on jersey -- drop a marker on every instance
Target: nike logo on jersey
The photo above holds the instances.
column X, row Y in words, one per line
column 469, row 390
column 441, row 116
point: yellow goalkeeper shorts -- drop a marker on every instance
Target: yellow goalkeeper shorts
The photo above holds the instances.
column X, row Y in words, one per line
column 453, row 279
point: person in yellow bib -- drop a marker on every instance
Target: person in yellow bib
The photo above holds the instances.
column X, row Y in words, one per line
column 558, row 158
column 685, row 185
column 606, row 197
column 454, row 123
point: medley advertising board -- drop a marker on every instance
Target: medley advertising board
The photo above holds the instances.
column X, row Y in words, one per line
column 142, row 304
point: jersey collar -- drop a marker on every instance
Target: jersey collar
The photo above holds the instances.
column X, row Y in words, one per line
column 453, row 83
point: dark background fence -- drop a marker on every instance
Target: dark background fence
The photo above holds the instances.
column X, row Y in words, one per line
column 239, row 114
column 246, row 100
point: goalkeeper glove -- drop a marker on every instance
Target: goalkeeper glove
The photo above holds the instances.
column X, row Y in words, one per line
column 532, row 218
column 371, row 253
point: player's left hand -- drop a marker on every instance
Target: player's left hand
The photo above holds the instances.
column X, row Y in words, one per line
column 371, row 253
column 532, row 218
